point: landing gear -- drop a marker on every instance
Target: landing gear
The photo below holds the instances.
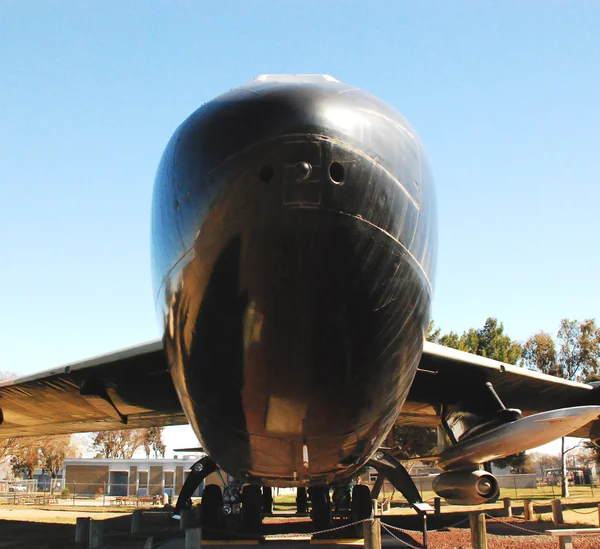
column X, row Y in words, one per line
column 252, row 501
column 341, row 499
column 200, row 470
column 267, row 500
column 211, row 517
column 301, row 500
column 361, row 508
column 321, row 507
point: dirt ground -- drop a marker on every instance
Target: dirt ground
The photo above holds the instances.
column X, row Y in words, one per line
column 31, row 528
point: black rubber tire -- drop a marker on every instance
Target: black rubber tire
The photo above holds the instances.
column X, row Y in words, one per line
column 251, row 510
column 267, row 500
column 301, row 500
column 211, row 514
column 320, row 507
column 361, row 508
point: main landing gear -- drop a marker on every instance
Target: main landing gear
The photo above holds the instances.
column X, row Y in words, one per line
column 349, row 506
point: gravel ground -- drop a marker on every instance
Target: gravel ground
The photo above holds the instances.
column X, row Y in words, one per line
column 503, row 533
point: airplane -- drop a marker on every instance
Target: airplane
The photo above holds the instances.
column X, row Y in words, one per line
column 294, row 242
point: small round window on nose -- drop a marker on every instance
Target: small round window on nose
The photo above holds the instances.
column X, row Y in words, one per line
column 336, row 172
column 266, row 173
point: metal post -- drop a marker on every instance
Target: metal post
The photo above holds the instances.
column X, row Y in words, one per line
column 185, row 519
column 193, row 538
column 478, row 531
column 136, row 522
column 424, row 530
column 437, row 505
column 557, row 514
column 372, row 534
column 96, row 534
column 82, row 530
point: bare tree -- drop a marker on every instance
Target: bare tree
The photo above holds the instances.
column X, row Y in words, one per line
column 123, row 443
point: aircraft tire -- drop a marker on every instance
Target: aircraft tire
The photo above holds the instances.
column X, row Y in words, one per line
column 211, row 517
column 267, row 500
column 252, row 501
column 301, row 500
column 361, row 507
column 320, row 507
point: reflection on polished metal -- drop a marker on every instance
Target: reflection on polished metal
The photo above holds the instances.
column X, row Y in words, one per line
column 294, row 239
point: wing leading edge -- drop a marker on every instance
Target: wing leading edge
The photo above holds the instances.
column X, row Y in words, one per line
column 447, row 377
column 125, row 389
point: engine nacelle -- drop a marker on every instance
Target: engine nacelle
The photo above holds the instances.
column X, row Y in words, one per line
column 467, row 487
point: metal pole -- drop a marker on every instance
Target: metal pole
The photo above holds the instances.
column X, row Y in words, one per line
column 424, row 530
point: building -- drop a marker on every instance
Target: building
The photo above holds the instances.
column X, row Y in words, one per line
column 127, row 477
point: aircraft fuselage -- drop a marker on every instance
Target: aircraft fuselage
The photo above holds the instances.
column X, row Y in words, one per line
column 294, row 240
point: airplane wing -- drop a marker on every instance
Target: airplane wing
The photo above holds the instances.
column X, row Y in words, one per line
column 125, row 389
column 447, row 376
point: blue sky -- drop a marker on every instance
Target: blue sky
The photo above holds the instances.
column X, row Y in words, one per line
column 503, row 94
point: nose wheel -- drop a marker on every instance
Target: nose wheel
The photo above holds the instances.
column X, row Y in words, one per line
column 211, row 517
column 252, row 503
column 361, row 507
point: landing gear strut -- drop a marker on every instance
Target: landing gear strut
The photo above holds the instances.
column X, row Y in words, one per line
column 388, row 466
column 200, row 470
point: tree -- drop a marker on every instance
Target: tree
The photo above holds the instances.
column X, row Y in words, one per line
column 539, row 353
column 413, row 441
column 579, row 351
column 7, row 445
column 433, row 333
column 577, row 358
column 489, row 341
column 123, row 443
column 26, row 457
column 575, row 354
column 153, row 442
column 53, row 451
column 518, row 464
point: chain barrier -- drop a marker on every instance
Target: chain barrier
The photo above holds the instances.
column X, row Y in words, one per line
column 419, row 531
column 498, row 519
column 327, row 531
column 567, row 508
column 405, row 543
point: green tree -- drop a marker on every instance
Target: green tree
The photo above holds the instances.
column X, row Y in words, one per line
column 539, row 353
column 490, row 341
column 413, row 442
column 433, row 333
column 575, row 355
column 517, row 463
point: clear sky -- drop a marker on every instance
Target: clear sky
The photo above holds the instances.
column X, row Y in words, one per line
column 503, row 94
